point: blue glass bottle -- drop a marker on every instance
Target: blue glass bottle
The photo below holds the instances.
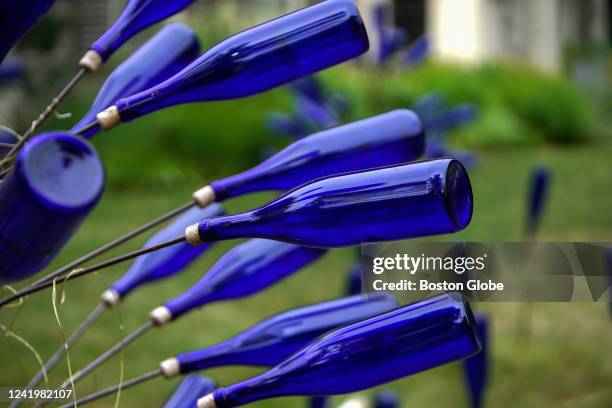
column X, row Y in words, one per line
column 186, row 394
column 320, row 115
column 538, row 194
column 11, row 70
column 165, row 262
column 55, row 182
column 365, row 354
column 173, row 48
column 244, row 270
column 418, row 51
column 284, row 124
column 353, row 287
column 137, row 15
column 452, row 117
column 394, row 137
column 429, row 105
column 391, row 39
column 477, row 367
column 276, row 338
column 8, row 139
column 318, row 402
column 353, row 279
column 386, row 399
column 16, row 19
column 609, row 269
column 258, row 59
column 310, row 88
column 391, row 203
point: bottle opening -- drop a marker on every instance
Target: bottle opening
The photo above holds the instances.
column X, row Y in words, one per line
column 459, row 194
column 63, row 172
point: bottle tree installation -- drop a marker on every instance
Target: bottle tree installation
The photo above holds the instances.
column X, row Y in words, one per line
column 361, row 182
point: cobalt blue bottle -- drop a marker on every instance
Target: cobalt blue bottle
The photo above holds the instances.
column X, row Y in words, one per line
column 284, row 124
column 418, row 51
column 244, row 270
column 394, row 137
column 609, row 269
column 137, row 15
column 386, row 399
column 173, row 48
column 538, row 194
column 477, row 367
column 274, row 339
column 385, row 204
column 8, row 139
column 186, row 394
column 318, row 402
column 16, row 19
column 309, row 87
column 452, row 117
column 353, row 279
column 55, row 182
column 320, row 115
column 365, row 354
column 165, row 262
column 253, row 61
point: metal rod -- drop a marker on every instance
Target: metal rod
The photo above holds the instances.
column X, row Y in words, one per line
column 52, row 362
column 4, row 172
column 87, row 128
column 108, row 354
column 93, row 268
column 45, row 114
column 105, row 248
column 114, row 389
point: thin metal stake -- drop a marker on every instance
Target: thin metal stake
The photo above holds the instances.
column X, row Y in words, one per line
column 108, row 354
column 52, row 362
column 93, row 268
column 103, row 249
column 115, row 388
column 44, row 115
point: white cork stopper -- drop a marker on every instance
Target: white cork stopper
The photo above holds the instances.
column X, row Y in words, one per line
column 110, row 298
column 192, row 235
column 204, row 196
column 109, row 118
column 91, row 61
column 160, row 316
column 170, row 367
column 207, row 402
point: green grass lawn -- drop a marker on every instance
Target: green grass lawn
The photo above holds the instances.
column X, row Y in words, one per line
column 565, row 362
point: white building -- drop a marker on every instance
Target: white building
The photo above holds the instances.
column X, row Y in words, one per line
column 472, row 31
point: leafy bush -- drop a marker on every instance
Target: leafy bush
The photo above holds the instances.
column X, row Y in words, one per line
column 517, row 105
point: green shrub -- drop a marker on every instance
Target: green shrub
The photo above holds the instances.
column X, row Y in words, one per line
column 543, row 108
column 517, row 106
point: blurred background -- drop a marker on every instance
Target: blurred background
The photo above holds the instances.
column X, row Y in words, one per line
column 513, row 88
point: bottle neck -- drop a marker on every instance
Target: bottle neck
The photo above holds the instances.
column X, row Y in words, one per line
column 215, row 356
column 243, row 393
column 243, row 225
column 188, row 301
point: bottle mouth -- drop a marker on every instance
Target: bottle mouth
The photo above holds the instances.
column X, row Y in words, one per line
column 458, row 194
column 63, row 172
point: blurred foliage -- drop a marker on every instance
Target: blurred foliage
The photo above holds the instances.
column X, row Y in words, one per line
column 518, row 106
